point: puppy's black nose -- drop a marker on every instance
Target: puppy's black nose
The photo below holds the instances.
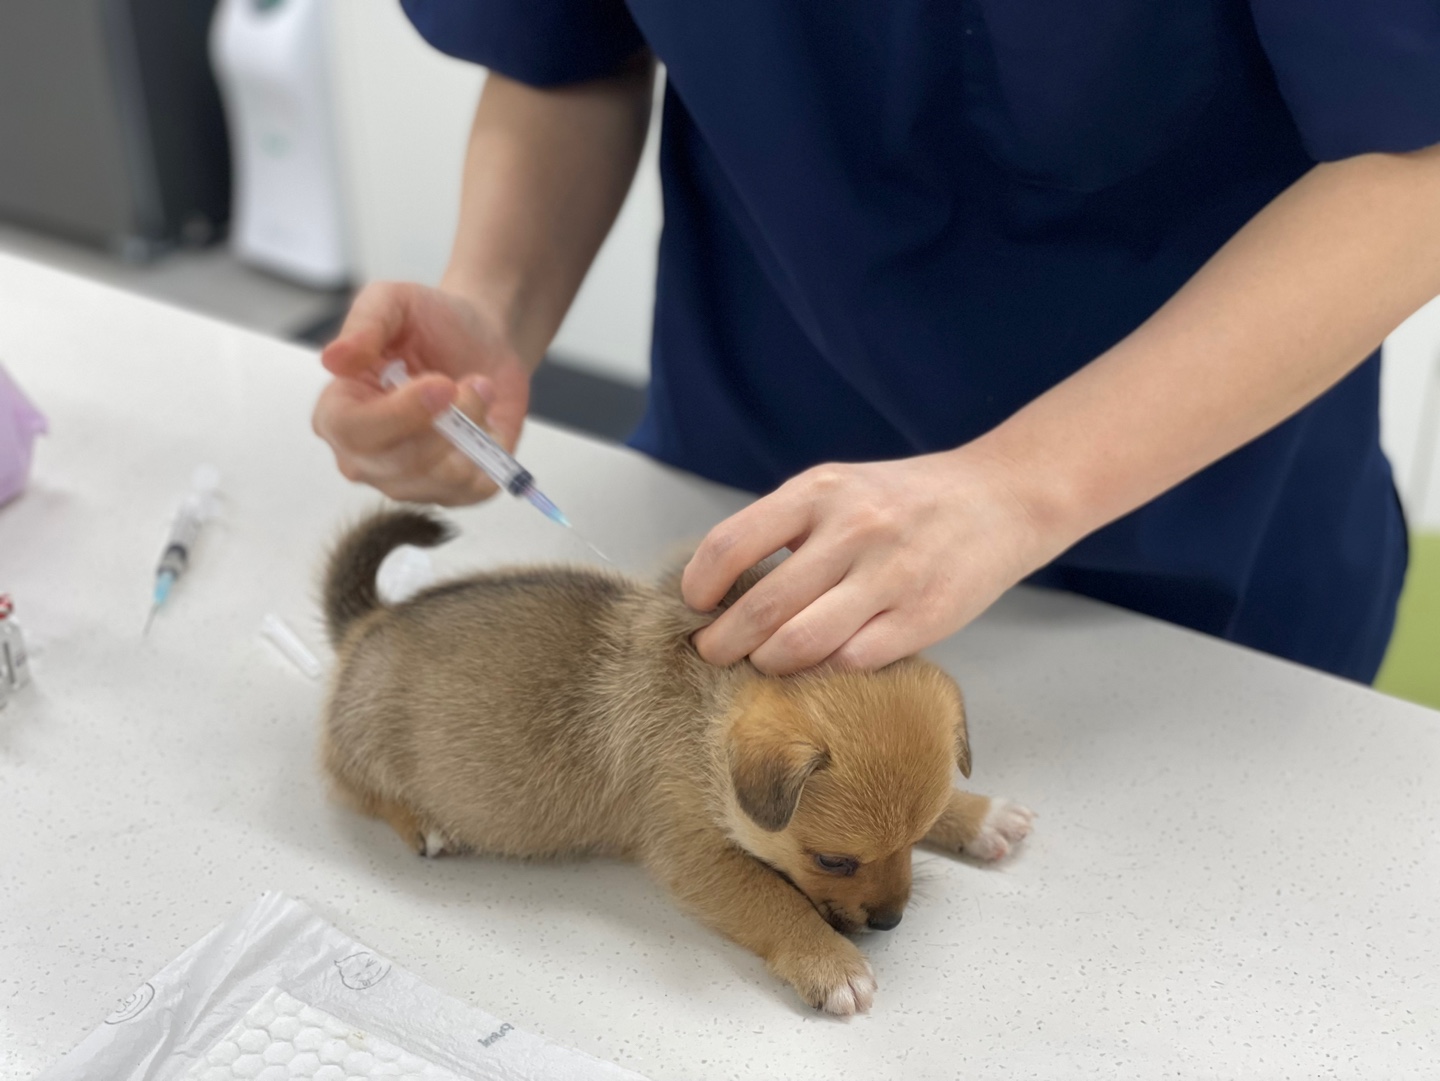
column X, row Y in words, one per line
column 884, row 921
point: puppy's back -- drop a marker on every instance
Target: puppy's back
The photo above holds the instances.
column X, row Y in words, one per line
column 486, row 698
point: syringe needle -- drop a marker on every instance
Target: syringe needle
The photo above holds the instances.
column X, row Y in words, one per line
column 149, row 620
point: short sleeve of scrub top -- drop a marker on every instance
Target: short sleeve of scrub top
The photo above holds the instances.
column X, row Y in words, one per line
column 888, row 226
column 1357, row 75
column 540, row 42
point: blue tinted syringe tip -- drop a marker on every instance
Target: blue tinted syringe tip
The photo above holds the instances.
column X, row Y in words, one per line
column 164, row 579
column 542, row 503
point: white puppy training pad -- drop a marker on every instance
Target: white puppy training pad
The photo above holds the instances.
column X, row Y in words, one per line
column 278, row 994
column 281, row 1038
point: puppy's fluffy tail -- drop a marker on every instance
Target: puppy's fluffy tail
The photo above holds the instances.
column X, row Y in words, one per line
column 349, row 590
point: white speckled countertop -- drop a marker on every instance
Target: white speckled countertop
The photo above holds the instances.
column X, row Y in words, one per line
column 1235, row 872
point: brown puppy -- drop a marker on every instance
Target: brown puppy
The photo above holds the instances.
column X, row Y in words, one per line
column 549, row 711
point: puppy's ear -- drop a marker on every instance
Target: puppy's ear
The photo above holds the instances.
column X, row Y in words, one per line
column 771, row 756
column 962, row 732
column 962, row 735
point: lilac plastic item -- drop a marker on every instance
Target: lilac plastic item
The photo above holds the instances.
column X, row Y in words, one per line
column 20, row 423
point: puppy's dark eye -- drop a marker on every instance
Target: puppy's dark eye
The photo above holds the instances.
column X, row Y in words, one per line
column 837, row 865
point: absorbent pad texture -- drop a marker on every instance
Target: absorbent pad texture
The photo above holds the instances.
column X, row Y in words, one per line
column 281, row 1038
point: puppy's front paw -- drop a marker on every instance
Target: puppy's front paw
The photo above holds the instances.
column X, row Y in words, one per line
column 1005, row 825
column 836, row 979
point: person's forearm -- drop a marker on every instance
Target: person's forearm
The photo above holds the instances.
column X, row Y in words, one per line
column 1294, row 302
column 545, row 174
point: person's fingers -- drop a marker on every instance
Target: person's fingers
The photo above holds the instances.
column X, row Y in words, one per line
column 508, row 389
column 817, row 632
column 387, row 439
column 771, row 603
column 454, row 481
column 434, row 468
column 470, row 485
column 883, row 640
column 376, row 320
column 358, row 423
column 457, row 480
column 426, row 469
column 738, row 543
column 472, row 403
column 338, row 397
column 483, row 387
column 421, row 457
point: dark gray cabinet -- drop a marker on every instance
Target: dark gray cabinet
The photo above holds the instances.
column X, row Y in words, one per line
column 110, row 123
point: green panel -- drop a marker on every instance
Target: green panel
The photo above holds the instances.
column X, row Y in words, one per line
column 1412, row 666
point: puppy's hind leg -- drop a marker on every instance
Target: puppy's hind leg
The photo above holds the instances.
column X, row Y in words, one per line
column 980, row 827
column 426, row 840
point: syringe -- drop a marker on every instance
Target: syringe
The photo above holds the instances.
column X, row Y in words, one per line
column 195, row 508
column 481, row 448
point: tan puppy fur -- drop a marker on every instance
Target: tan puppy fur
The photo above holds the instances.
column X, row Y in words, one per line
column 552, row 712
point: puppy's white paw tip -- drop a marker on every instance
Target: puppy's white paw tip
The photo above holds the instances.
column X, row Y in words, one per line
column 434, row 844
column 855, row 995
column 1006, row 824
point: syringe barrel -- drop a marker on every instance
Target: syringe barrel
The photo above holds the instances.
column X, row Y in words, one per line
column 173, row 560
column 183, row 532
column 470, row 439
column 188, row 520
column 480, row 447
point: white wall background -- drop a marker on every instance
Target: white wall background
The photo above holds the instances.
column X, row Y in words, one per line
column 405, row 114
column 404, row 117
column 1410, row 413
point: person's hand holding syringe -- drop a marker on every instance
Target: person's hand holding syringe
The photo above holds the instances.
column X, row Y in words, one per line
column 382, row 415
column 456, row 355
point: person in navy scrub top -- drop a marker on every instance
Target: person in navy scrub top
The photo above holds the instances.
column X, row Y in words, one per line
column 978, row 291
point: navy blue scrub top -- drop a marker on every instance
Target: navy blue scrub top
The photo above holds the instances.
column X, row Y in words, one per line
column 889, row 225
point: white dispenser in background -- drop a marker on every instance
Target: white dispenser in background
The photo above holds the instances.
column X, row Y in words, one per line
column 271, row 62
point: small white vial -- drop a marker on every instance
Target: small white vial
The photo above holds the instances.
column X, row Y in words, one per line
column 14, row 663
